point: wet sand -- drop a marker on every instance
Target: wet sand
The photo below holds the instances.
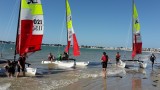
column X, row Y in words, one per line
column 86, row 79
column 133, row 80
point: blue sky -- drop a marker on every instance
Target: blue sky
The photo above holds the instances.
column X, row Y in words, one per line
column 96, row 22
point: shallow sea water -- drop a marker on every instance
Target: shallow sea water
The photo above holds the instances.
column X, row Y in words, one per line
column 51, row 77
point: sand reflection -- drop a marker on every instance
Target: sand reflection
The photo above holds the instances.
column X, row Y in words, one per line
column 136, row 83
column 104, row 84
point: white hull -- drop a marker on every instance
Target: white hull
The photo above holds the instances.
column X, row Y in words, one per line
column 137, row 64
column 68, row 64
column 142, row 65
column 47, row 62
column 31, row 71
column 121, row 64
column 82, row 63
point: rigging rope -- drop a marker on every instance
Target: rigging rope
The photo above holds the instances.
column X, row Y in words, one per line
column 60, row 39
column 9, row 25
column 127, row 40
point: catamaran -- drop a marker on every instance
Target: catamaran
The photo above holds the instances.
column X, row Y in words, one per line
column 29, row 29
column 136, row 37
column 70, row 36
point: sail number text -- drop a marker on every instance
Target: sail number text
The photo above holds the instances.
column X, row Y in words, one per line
column 37, row 21
column 37, row 25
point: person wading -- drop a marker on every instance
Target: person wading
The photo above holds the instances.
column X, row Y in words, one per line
column 117, row 58
column 104, row 60
column 152, row 59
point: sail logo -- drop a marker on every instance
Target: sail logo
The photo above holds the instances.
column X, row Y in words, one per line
column 69, row 18
column 69, row 34
column 32, row 1
column 136, row 21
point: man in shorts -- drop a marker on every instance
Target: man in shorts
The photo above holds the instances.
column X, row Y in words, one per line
column 104, row 60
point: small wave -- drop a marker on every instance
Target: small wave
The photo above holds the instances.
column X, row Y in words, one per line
column 116, row 71
column 55, row 84
column 86, row 75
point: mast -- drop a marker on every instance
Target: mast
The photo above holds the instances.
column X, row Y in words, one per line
column 17, row 30
column 132, row 25
column 66, row 25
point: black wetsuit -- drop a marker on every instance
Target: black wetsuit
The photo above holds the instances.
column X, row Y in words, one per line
column 22, row 63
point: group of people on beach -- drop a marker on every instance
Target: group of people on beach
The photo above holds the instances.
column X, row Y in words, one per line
column 10, row 67
column 105, row 59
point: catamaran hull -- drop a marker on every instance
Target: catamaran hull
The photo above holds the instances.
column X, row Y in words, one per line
column 137, row 63
column 82, row 63
column 142, row 65
column 121, row 64
column 31, row 71
column 66, row 63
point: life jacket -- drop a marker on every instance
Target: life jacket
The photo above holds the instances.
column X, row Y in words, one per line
column 118, row 56
column 104, row 58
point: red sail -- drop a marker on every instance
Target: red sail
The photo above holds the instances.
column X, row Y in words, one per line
column 24, row 36
column 137, row 47
column 76, row 51
column 68, row 46
column 26, row 42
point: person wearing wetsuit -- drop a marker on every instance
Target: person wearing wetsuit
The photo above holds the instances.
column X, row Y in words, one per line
column 152, row 59
column 21, row 64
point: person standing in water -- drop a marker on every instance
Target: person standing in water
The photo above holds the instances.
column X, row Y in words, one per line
column 51, row 57
column 104, row 60
column 65, row 56
column 152, row 59
column 117, row 58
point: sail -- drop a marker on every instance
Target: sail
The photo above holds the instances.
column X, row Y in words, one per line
column 31, row 27
column 137, row 42
column 71, row 33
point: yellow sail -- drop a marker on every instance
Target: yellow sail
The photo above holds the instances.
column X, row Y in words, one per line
column 136, row 23
column 69, row 17
column 71, row 33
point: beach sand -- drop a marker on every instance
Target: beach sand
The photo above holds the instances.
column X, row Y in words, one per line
column 133, row 80
column 86, row 79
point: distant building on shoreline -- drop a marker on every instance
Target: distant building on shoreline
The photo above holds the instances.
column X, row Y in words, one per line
column 93, row 47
